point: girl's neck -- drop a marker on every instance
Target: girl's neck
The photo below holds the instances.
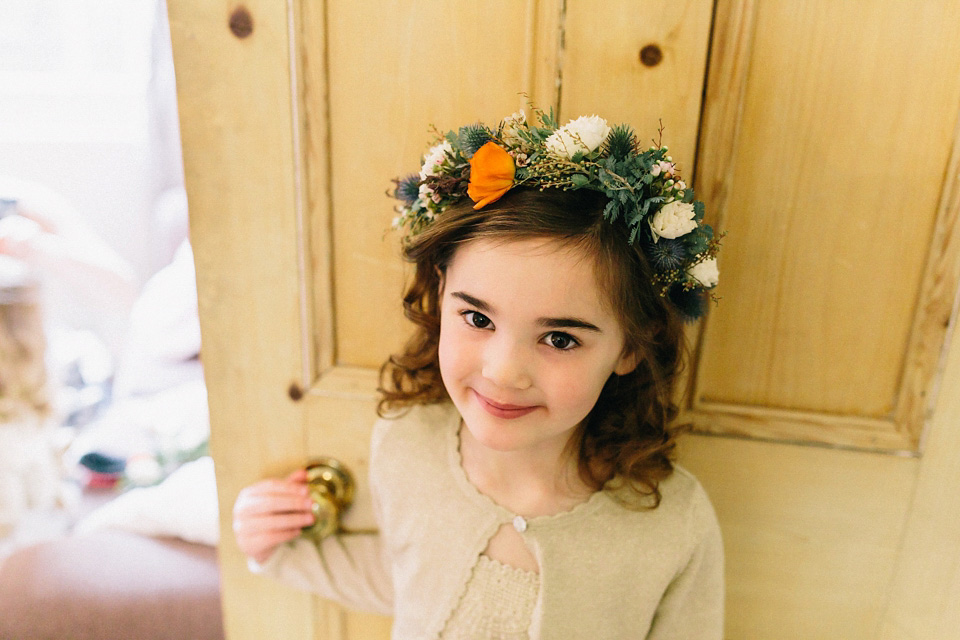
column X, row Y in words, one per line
column 528, row 482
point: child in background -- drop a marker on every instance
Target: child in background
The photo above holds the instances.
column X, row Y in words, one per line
column 522, row 468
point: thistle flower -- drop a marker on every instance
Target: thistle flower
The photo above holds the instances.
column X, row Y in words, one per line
column 666, row 254
column 621, row 142
column 408, row 189
column 472, row 137
column 691, row 303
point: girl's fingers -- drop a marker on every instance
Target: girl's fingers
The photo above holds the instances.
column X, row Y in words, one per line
column 272, row 522
column 254, row 505
column 271, row 512
column 277, row 487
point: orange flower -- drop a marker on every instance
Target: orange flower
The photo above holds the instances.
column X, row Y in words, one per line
column 491, row 174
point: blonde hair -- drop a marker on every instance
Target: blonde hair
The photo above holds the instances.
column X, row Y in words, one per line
column 23, row 382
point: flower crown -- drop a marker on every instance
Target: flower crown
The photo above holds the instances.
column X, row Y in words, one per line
column 646, row 197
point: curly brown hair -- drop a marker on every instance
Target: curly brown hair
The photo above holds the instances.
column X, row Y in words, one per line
column 629, row 435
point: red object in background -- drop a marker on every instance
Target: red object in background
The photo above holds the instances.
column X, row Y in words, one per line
column 95, row 480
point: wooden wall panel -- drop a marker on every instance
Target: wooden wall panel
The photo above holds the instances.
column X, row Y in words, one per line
column 395, row 69
column 923, row 601
column 603, row 73
column 811, row 535
column 829, row 237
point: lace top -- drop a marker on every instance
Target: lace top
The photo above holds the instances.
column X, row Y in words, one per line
column 498, row 603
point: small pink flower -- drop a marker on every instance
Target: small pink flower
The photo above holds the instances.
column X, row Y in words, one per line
column 662, row 167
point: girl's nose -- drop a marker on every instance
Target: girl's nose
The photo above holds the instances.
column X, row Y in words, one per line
column 507, row 365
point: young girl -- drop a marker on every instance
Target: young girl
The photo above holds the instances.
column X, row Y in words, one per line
column 521, row 470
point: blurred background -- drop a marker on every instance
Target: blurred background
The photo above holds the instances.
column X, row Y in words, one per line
column 100, row 380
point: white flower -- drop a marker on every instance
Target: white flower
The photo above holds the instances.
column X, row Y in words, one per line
column 661, row 167
column 511, row 125
column 705, row 272
column 434, row 158
column 424, row 192
column 673, row 220
column 584, row 134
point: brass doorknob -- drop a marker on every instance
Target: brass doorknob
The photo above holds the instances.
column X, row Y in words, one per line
column 331, row 488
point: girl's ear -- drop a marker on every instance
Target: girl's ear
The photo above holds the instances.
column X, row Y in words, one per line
column 627, row 363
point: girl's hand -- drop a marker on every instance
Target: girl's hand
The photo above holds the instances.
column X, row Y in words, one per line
column 271, row 512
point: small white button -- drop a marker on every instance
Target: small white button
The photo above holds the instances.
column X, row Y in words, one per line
column 520, row 524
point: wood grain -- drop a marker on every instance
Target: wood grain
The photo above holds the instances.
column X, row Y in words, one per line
column 314, row 165
column 234, row 100
column 936, row 308
column 800, row 427
column 838, row 299
column 603, row 74
column 924, row 596
column 542, row 59
column 447, row 64
column 811, row 535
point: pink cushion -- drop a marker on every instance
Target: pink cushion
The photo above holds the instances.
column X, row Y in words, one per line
column 111, row 584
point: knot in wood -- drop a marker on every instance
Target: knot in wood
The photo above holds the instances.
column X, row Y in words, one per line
column 651, row 55
column 241, row 22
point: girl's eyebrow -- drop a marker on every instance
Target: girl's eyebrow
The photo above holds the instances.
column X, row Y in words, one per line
column 568, row 323
column 473, row 302
column 550, row 323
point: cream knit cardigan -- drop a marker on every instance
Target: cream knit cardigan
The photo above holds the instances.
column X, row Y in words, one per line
column 606, row 572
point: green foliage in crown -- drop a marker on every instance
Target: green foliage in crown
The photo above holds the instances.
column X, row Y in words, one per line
column 645, row 195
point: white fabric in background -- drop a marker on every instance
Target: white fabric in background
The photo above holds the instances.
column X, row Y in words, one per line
column 168, row 423
column 182, row 506
column 163, row 341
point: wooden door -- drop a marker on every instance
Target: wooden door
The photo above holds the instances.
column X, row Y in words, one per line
column 823, row 386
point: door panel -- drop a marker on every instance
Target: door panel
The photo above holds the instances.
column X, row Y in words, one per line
column 296, row 114
column 239, row 167
column 647, row 70
column 436, row 64
column 841, row 286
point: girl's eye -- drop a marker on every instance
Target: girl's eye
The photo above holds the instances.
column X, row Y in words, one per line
column 562, row 341
column 476, row 319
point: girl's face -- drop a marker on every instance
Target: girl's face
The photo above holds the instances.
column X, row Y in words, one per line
column 525, row 343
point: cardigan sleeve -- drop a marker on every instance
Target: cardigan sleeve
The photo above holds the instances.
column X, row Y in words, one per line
column 349, row 569
column 692, row 607
column 353, row 570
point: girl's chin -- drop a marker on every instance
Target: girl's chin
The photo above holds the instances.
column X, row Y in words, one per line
column 495, row 439
column 492, row 433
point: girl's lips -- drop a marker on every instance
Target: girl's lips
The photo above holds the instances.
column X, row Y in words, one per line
column 502, row 410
